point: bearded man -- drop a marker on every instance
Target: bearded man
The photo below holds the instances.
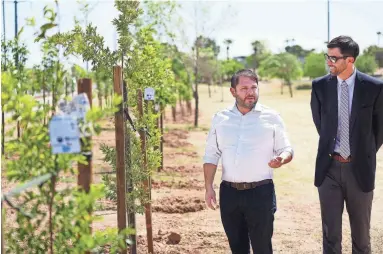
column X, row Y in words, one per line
column 251, row 141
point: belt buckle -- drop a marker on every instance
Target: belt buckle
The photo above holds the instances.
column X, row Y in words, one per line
column 240, row 186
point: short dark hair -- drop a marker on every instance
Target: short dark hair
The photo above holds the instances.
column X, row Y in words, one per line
column 243, row 73
column 347, row 46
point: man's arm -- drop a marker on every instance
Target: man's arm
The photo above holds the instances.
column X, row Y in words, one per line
column 209, row 173
column 315, row 107
column 377, row 120
column 282, row 147
column 211, row 158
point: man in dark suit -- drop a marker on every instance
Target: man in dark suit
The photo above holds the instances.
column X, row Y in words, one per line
column 347, row 109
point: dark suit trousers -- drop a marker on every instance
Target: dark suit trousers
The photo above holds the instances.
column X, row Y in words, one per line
column 340, row 187
column 248, row 214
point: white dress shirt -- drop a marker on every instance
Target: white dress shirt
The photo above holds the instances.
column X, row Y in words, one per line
column 350, row 84
column 246, row 143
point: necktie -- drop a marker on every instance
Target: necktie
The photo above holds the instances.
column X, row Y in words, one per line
column 344, row 122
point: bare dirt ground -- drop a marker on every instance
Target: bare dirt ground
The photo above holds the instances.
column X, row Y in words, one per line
column 181, row 222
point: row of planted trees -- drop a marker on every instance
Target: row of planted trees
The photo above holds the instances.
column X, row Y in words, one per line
column 146, row 62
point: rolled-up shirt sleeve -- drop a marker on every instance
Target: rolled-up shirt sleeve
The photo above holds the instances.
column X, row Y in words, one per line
column 212, row 151
column 281, row 140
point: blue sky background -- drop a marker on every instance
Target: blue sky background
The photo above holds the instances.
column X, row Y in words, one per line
column 242, row 21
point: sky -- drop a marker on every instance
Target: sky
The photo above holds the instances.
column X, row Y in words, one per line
column 273, row 21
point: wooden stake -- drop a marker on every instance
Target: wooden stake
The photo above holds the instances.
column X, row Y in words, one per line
column 85, row 171
column 120, row 153
column 84, row 179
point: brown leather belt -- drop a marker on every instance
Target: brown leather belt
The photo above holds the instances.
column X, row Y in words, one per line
column 339, row 158
column 246, row 186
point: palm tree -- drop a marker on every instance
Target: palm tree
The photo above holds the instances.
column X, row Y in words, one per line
column 287, row 42
column 228, row 42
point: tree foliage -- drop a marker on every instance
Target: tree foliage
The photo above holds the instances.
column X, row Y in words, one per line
column 366, row 63
column 314, row 65
column 298, row 51
column 376, row 52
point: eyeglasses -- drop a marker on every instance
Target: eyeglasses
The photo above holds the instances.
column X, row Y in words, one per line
column 334, row 59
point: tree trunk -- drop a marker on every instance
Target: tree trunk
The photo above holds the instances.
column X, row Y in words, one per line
column 174, row 111
column 2, row 130
column 106, row 99
column 100, row 100
column 44, row 96
column 189, row 106
column 283, row 83
column 66, row 87
column 209, row 87
column 196, row 106
column 18, row 129
column 227, row 53
column 55, row 90
column 163, row 112
column 196, row 87
column 53, row 99
column 221, row 84
column 162, row 137
column 290, row 88
column 182, row 107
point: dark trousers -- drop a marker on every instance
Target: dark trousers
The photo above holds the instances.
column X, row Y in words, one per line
column 338, row 187
column 248, row 214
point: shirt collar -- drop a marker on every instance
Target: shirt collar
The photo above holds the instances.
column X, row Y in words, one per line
column 257, row 107
column 350, row 79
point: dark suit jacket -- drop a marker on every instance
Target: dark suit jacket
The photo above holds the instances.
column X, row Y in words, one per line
column 366, row 126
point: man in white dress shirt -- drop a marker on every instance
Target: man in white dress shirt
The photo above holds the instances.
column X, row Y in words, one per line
column 251, row 140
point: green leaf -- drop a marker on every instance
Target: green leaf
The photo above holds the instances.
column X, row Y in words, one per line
column 31, row 21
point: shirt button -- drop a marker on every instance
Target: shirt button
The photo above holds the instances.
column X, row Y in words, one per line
column 329, row 154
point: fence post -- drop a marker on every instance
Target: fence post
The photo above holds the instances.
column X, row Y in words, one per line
column 148, row 207
column 120, row 153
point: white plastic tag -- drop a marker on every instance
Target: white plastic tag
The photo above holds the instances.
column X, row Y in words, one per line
column 149, row 94
column 64, row 135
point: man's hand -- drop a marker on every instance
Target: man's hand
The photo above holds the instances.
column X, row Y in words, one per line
column 277, row 162
column 210, row 199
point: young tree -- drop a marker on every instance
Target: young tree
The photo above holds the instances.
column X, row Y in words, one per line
column 204, row 26
column 284, row 66
column 208, row 51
